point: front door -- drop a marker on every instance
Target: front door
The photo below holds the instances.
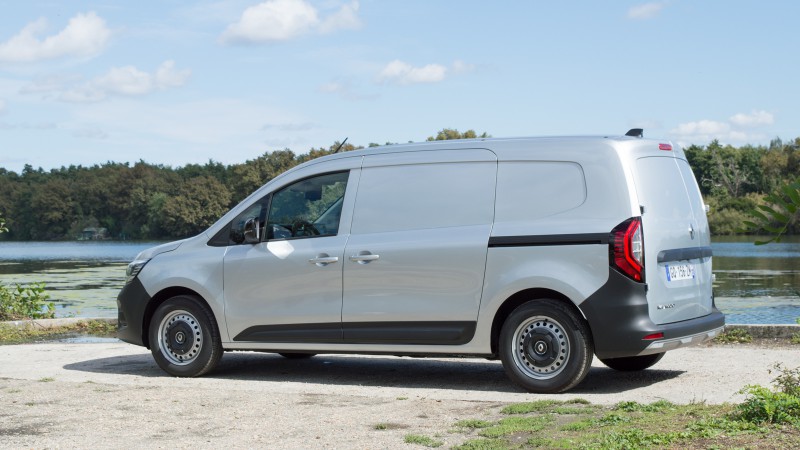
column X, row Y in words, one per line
column 288, row 287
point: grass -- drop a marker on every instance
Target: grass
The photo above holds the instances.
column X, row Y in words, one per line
column 628, row 425
column 17, row 335
column 422, row 440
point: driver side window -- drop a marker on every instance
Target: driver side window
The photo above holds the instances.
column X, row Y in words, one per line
column 308, row 208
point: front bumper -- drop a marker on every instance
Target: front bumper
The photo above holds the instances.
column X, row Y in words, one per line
column 618, row 315
column 131, row 304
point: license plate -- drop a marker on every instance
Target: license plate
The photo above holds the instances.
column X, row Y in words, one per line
column 680, row 272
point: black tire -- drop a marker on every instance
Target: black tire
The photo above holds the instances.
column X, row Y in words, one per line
column 297, row 355
column 184, row 337
column 633, row 363
column 545, row 347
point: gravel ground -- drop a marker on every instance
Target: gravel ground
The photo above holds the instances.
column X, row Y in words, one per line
column 112, row 394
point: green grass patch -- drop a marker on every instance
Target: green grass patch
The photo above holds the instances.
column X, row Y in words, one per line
column 483, row 444
column 10, row 334
column 511, row 425
column 658, row 406
column 422, row 440
column 473, row 423
column 634, row 425
column 528, row 407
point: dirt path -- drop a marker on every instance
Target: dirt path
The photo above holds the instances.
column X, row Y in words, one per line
column 113, row 395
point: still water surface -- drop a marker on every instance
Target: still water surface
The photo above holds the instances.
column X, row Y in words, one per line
column 754, row 284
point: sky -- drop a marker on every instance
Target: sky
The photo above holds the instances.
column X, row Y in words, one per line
column 173, row 82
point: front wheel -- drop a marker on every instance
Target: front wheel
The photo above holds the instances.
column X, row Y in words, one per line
column 633, row 363
column 184, row 338
column 545, row 347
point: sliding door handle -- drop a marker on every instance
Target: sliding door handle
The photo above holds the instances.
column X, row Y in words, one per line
column 364, row 257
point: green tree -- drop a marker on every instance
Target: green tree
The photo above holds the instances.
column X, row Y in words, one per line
column 197, row 205
column 451, row 133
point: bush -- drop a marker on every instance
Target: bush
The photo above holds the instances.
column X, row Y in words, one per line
column 734, row 336
column 25, row 302
column 763, row 405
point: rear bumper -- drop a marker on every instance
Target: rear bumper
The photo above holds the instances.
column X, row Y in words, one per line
column 131, row 304
column 619, row 318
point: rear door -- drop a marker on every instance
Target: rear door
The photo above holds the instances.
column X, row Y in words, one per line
column 414, row 264
column 677, row 240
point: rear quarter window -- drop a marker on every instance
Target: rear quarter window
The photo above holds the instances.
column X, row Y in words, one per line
column 535, row 189
column 424, row 196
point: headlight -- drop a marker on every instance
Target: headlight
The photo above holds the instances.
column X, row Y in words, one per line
column 134, row 268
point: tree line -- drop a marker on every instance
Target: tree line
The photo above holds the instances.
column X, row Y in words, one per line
column 151, row 201
column 735, row 181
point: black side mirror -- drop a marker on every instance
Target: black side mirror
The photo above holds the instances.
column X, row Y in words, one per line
column 252, row 231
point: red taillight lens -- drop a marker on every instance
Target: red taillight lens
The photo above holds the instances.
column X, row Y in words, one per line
column 626, row 248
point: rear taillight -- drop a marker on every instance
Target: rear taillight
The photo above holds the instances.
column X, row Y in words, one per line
column 626, row 248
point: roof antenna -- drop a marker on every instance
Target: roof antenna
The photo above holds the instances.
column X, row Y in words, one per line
column 340, row 146
column 635, row 132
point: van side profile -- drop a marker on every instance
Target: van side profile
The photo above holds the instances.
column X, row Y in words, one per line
column 542, row 252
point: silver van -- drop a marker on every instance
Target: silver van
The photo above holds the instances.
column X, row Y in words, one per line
column 542, row 252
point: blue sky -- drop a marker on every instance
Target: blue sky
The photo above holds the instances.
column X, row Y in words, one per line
column 175, row 82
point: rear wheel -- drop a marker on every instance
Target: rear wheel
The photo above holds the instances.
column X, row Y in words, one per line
column 633, row 363
column 545, row 347
column 184, row 338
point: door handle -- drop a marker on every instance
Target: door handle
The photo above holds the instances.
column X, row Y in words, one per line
column 323, row 260
column 364, row 257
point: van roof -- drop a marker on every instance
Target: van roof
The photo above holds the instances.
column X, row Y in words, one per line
column 454, row 144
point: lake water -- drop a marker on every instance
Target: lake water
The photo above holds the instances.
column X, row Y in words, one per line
column 754, row 284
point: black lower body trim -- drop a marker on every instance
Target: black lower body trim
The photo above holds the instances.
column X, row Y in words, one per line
column 392, row 333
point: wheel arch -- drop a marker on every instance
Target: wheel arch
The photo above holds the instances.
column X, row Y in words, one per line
column 521, row 297
column 160, row 298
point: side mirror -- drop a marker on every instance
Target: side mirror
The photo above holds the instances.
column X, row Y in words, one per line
column 252, row 231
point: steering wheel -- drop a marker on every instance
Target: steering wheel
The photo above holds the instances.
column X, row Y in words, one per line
column 304, row 228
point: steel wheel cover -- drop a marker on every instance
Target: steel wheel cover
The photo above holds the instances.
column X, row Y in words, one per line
column 180, row 337
column 541, row 347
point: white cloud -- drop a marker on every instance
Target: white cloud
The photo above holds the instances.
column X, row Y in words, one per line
column 645, row 11
column 127, row 81
column 403, row 73
column 345, row 89
column 702, row 127
column 732, row 131
column 85, row 35
column 273, row 20
column 346, row 18
column 755, row 118
column 280, row 20
column 400, row 72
